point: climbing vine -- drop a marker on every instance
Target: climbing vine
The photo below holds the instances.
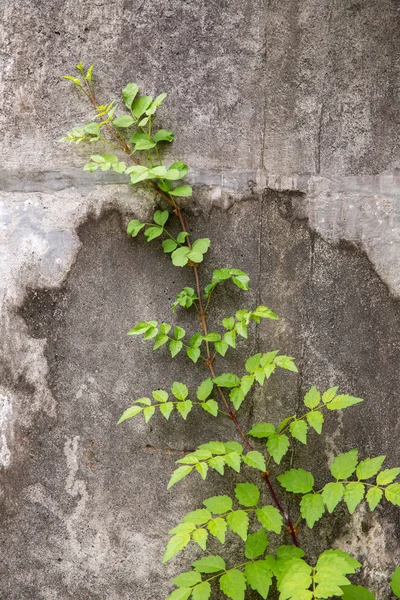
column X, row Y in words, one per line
column 253, row 513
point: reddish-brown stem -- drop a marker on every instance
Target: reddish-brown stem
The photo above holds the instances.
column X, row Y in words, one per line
column 203, row 320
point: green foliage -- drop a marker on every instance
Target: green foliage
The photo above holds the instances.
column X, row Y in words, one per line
column 246, row 514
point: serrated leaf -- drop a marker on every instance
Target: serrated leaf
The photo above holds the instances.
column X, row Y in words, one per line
column 270, row 518
column 353, row 494
column 233, row 447
column 297, row 481
column 179, row 390
column 298, row 430
column 217, row 527
column 329, row 394
column 218, row 505
column 205, row 389
column 256, row 544
column 312, row 508
column 262, row 430
column 395, row 582
column 373, row 497
column 233, row 584
column 286, row 362
column 213, row 447
column 332, row 494
column 253, row 362
column 295, row 581
column 392, row 493
column 180, row 594
column 188, row 579
column 344, row 465
column 166, row 409
column 343, row 401
column 369, row 467
column 175, row 545
column 356, row 592
column 387, row 476
column 160, row 340
column 236, row 396
column 247, row 494
column 200, row 537
column 130, row 412
column 230, row 338
column 228, row 380
column 277, row 446
column 315, row 419
column 198, row 517
column 233, row 460
column 210, row 406
column 202, row 591
column 238, row 522
column 259, row 577
column 160, row 395
column 179, row 474
column 254, row 459
column 202, row 468
column 184, row 408
column 312, row 398
column 209, row 564
column 218, row 464
column 148, row 412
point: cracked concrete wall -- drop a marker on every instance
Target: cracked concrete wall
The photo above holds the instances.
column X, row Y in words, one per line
column 287, row 114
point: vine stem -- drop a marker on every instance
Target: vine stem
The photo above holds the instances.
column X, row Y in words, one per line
column 202, row 315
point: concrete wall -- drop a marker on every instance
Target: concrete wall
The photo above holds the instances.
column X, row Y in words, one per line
column 287, row 113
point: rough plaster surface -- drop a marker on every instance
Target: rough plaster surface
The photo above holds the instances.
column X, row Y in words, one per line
column 289, row 113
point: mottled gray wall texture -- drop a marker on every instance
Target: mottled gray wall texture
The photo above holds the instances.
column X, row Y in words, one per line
column 288, row 114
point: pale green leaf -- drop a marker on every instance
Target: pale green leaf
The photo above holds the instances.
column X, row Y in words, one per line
column 198, row 517
column 315, row 420
column 169, row 246
column 238, row 522
column 160, row 395
column 200, row 537
column 123, row 121
column 277, row 446
column 179, row 474
column 205, row 389
column 218, row 505
column 228, row 380
column 175, row 545
column 236, row 396
column 210, row 406
column 209, row 564
column 353, row 494
column 188, row 579
column 148, row 412
column 373, row 497
column 256, row 544
column 180, row 256
column 217, row 527
column 395, row 582
column 392, row 493
column 202, row 591
column 180, row 594
column 153, row 232
column 344, row 465
column 179, row 390
column 298, row 430
column 181, row 191
column 166, row 409
column 130, row 412
column 202, row 468
column 369, row 467
column 175, row 346
column 233, row 584
column 297, row 481
column 193, row 354
column 247, row 494
column 262, row 430
column 270, row 518
column 233, row 460
column 161, row 217
column 387, row 476
column 255, row 459
column 259, row 577
column 312, row 398
column 312, row 508
column 329, row 394
column 343, row 401
column 140, row 105
column 332, row 494
column 129, row 93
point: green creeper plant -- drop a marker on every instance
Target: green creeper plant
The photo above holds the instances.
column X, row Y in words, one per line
column 253, row 513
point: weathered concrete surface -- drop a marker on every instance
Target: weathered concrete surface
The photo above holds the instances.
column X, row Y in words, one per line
column 289, row 114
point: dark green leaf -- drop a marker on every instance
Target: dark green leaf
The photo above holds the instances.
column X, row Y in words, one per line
column 140, row 105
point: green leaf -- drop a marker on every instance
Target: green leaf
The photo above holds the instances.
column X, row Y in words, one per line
column 238, row 522
column 392, row 493
column 160, row 395
column 153, row 232
column 209, row 564
column 205, row 389
column 179, row 474
column 356, row 592
column 329, row 394
column 140, row 106
column 228, row 323
column 146, row 145
column 289, row 552
column 298, row 430
column 181, row 167
column 265, row 313
column 179, row 390
column 344, row 465
column 129, row 93
column 184, row 408
column 210, row 406
column 218, row 505
column 343, row 401
column 166, row 409
column 253, row 363
column 387, row 476
column 169, row 245
column 373, row 497
column 236, row 396
column 369, row 467
column 282, row 425
column 295, row 581
column 180, row 256
column 247, row 494
column 188, row 579
column 286, row 362
column 161, row 217
column 255, row 459
column 197, row 517
column 182, row 191
column 175, row 545
column 202, row 468
column 256, row 544
column 332, row 494
column 217, row 527
column 130, row 412
column 200, row 537
column 233, row 584
column 179, row 333
column 241, row 329
column 221, row 347
column 180, row 594
column 353, row 494
column 315, row 420
column 259, row 577
column 175, row 346
column 202, row 591
column 297, row 481
column 134, row 227
column 160, row 340
column 218, row 464
column 228, row 380
column 148, row 412
column 395, row 582
column 312, row 508
column 262, row 430
column 163, row 135
column 277, row 446
column 123, row 121
column 270, row 518
column 312, row 398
